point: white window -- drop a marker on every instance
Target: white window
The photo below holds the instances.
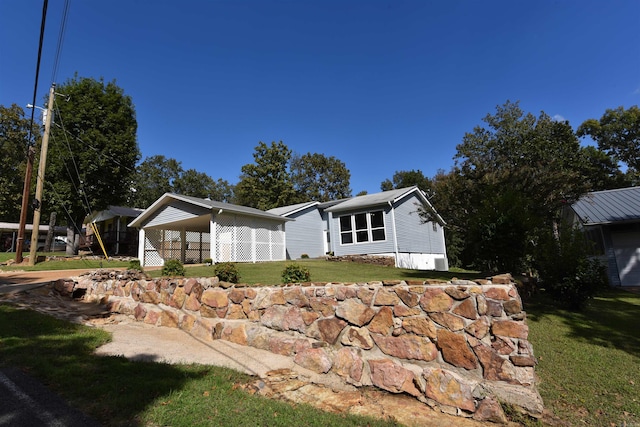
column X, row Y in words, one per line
column 362, row 227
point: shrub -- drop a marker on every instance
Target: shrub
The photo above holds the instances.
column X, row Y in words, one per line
column 304, row 256
column 208, row 261
column 566, row 269
column 294, row 273
column 134, row 264
column 227, row 272
column 173, row 267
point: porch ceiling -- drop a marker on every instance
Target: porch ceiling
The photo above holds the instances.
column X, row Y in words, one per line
column 199, row 224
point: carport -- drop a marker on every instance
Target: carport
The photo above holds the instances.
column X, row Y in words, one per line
column 191, row 230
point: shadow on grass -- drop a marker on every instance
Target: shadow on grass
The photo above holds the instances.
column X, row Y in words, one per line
column 609, row 320
column 113, row 390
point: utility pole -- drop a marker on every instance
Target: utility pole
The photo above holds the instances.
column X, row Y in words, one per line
column 25, row 203
column 35, row 232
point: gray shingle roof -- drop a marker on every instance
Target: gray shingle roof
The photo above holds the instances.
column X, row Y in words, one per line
column 609, row 206
column 288, row 210
column 367, row 200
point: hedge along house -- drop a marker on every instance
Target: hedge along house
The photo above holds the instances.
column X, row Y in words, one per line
column 380, row 224
column 191, row 230
column 611, row 220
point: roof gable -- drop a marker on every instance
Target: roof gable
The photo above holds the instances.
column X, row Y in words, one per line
column 609, row 206
column 204, row 203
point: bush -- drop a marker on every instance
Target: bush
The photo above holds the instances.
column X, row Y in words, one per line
column 173, row 267
column 304, row 256
column 294, row 273
column 208, row 261
column 566, row 269
column 134, row 264
column 227, row 272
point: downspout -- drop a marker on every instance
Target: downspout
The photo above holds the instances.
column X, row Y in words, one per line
column 395, row 235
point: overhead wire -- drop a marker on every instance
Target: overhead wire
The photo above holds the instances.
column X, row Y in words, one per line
column 63, row 26
column 35, row 86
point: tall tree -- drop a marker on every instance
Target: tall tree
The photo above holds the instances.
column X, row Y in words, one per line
column 601, row 171
column 199, row 184
column 518, row 171
column 266, row 184
column 403, row 179
column 618, row 134
column 14, row 133
column 320, row 178
column 153, row 177
column 93, row 149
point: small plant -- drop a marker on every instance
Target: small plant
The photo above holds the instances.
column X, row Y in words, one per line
column 208, row 261
column 304, row 256
column 294, row 273
column 134, row 264
column 227, row 272
column 173, row 267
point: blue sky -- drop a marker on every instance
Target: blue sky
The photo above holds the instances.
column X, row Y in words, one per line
column 381, row 85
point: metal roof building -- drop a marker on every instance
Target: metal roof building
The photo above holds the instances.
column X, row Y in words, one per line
column 611, row 219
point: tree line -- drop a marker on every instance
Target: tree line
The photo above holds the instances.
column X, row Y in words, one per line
column 511, row 176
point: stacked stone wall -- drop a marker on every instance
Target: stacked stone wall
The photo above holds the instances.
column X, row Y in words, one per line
column 458, row 346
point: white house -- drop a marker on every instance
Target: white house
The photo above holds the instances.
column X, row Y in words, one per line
column 383, row 224
column 191, row 230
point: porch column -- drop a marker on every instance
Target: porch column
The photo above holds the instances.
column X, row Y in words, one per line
column 212, row 239
column 183, row 246
column 141, row 245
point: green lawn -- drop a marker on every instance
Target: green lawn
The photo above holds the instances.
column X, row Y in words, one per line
column 589, row 361
column 119, row 392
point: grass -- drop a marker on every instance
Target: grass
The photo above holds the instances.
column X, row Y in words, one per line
column 269, row 273
column 116, row 391
column 65, row 263
column 589, row 361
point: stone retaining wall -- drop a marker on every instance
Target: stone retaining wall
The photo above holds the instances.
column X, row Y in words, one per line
column 458, row 346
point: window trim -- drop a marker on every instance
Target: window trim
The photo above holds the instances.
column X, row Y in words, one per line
column 353, row 231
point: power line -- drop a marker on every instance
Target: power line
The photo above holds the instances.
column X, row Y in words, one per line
column 63, row 23
column 35, row 86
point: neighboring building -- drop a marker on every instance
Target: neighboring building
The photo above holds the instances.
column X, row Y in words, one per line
column 9, row 235
column 382, row 224
column 116, row 237
column 191, row 230
column 611, row 219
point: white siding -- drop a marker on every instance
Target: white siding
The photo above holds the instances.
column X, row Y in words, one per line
column 627, row 252
column 367, row 248
column 173, row 212
column 413, row 235
column 305, row 235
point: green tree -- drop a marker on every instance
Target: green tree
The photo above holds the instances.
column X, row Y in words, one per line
column 93, row 149
column 199, row 184
column 266, row 184
column 602, row 171
column 320, row 178
column 153, row 177
column 14, row 134
column 518, row 172
column 618, row 134
column 403, row 179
